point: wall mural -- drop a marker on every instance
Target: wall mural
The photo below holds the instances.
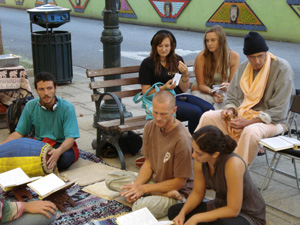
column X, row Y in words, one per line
column 169, row 10
column 295, row 5
column 125, row 9
column 19, row 2
column 79, row 5
column 43, row 2
column 236, row 14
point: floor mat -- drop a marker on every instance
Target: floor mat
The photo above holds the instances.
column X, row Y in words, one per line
column 88, row 174
column 89, row 207
column 91, row 157
column 88, row 169
column 100, row 190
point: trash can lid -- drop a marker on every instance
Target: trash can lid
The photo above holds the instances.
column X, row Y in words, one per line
column 48, row 8
column 49, row 16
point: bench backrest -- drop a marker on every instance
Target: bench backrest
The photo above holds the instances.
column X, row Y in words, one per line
column 131, row 80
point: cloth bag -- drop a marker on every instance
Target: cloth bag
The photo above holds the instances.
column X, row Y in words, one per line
column 147, row 99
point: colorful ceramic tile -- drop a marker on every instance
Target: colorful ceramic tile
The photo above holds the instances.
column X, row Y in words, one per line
column 236, row 14
column 125, row 9
column 44, row 2
column 169, row 10
column 295, row 5
column 79, row 5
column 19, row 2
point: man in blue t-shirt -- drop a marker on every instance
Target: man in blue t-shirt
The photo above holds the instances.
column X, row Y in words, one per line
column 53, row 120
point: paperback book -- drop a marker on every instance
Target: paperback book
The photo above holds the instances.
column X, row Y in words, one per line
column 48, row 185
column 14, row 178
column 280, row 143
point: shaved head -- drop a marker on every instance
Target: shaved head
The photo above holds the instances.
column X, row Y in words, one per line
column 165, row 97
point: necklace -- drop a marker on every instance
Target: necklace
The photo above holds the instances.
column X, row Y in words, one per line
column 165, row 130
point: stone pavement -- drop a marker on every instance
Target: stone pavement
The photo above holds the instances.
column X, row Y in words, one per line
column 282, row 192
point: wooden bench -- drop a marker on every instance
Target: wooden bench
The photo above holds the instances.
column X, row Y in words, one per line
column 110, row 131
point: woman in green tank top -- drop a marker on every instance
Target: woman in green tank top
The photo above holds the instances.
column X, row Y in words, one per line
column 215, row 65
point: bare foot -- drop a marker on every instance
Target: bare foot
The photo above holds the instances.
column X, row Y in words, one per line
column 174, row 194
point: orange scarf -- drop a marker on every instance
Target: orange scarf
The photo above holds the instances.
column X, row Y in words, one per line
column 253, row 90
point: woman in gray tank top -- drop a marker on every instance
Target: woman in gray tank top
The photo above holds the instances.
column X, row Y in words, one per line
column 237, row 202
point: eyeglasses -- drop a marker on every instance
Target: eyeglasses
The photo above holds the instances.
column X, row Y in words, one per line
column 259, row 57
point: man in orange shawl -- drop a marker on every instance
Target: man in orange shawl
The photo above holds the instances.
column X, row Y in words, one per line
column 258, row 98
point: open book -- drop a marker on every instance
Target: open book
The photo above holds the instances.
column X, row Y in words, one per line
column 49, row 185
column 141, row 217
column 280, row 143
column 14, row 178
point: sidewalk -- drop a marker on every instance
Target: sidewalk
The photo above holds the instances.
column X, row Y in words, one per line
column 282, row 192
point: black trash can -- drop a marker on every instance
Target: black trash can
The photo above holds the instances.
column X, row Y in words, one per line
column 52, row 52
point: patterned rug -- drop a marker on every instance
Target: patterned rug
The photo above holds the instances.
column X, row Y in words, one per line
column 91, row 157
column 89, row 207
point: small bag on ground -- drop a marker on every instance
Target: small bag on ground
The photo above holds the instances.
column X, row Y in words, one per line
column 14, row 111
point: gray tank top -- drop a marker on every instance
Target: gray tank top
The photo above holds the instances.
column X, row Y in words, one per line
column 253, row 206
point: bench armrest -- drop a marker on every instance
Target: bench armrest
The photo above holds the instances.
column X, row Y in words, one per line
column 117, row 101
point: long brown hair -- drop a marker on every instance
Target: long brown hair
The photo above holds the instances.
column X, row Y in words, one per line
column 171, row 59
column 213, row 64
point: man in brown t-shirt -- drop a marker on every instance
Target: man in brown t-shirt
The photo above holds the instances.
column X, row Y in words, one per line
column 166, row 175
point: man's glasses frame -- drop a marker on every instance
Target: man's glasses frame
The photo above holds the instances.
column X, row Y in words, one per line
column 259, row 57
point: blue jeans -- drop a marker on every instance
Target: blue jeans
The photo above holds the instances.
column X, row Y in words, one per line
column 190, row 108
column 33, row 219
column 66, row 159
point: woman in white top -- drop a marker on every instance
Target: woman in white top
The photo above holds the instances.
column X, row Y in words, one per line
column 215, row 65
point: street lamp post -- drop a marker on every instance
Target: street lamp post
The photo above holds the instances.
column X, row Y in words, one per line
column 111, row 38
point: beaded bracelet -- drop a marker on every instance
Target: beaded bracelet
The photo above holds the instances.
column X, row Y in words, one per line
column 185, row 81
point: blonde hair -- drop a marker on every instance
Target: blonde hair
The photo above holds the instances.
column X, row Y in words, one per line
column 212, row 64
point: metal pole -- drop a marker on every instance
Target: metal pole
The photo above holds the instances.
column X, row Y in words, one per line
column 111, row 39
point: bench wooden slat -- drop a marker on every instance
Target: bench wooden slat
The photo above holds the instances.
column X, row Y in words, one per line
column 114, row 83
column 119, row 94
column 113, row 124
column 112, row 71
column 132, row 126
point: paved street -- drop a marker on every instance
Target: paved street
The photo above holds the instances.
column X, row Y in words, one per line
column 87, row 53
column 87, row 48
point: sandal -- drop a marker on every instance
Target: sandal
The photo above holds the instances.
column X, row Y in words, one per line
column 261, row 152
